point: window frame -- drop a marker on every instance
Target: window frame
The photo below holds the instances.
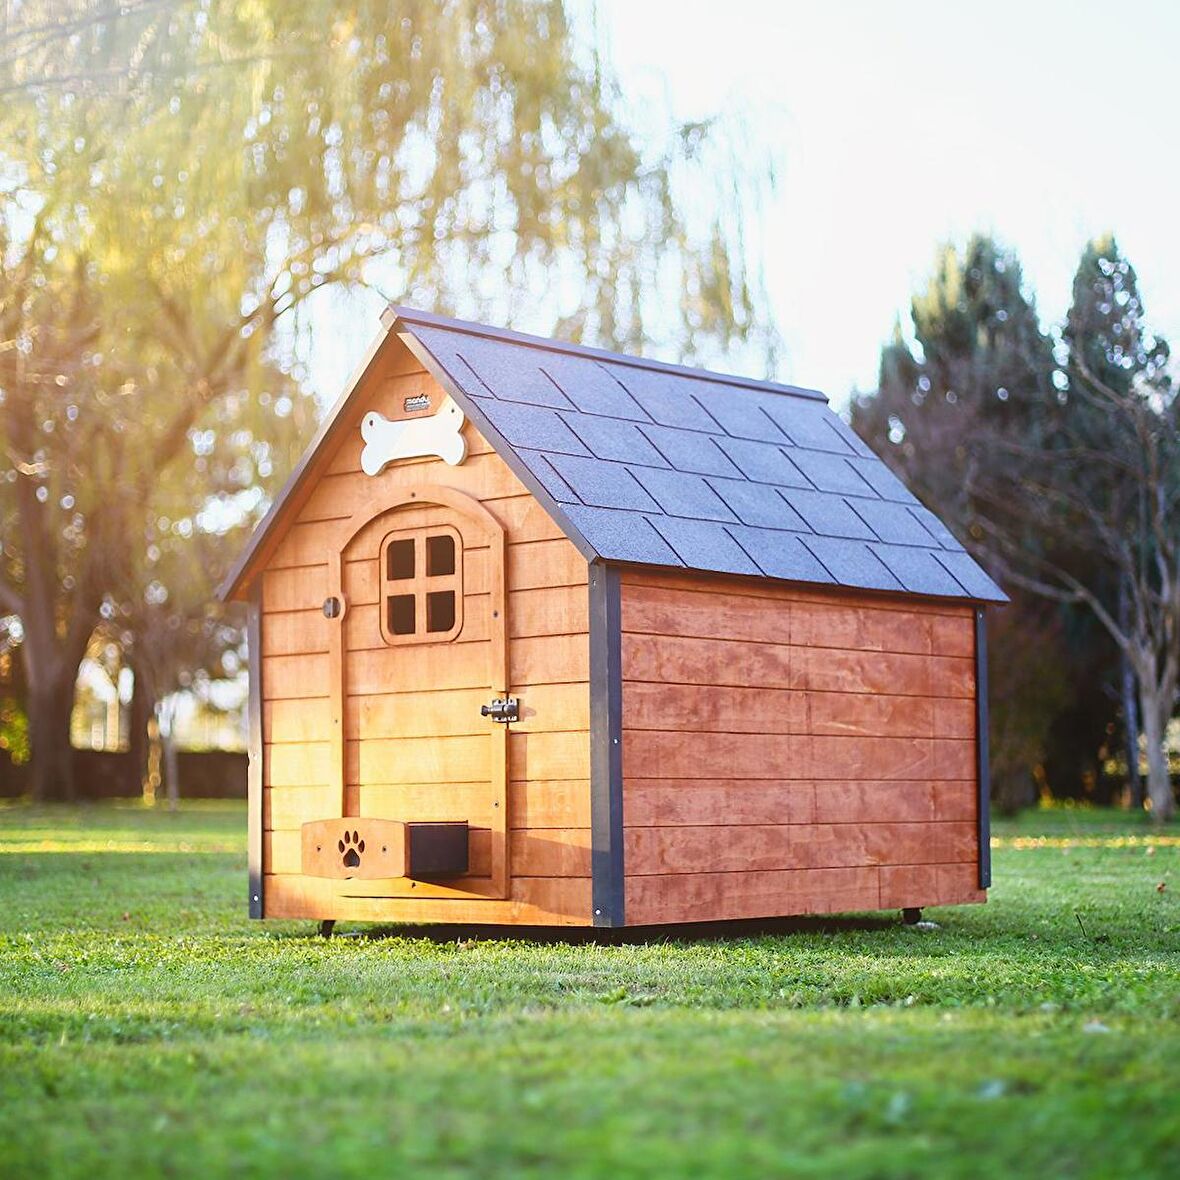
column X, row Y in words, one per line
column 420, row 585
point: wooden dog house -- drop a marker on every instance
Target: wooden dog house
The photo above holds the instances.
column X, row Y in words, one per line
column 541, row 634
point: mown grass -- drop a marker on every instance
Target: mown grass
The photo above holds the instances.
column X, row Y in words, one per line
column 147, row 1028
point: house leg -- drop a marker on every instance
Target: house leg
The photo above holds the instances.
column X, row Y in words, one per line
column 911, row 915
column 326, row 927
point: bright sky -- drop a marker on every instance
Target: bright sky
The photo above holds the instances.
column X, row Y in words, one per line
column 895, row 126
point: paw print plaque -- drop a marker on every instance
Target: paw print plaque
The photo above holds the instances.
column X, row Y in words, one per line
column 361, row 849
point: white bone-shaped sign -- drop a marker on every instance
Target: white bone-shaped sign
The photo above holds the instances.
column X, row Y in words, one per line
column 440, row 434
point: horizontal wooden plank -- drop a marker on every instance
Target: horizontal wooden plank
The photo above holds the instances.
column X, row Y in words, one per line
column 426, row 802
column 553, row 852
column 539, row 901
column 533, row 565
column 483, row 477
column 305, row 765
column 847, row 625
column 875, row 802
column 661, row 802
column 905, row 886
column 954, row 637
column 447, row 760
column 296, row 632
column 549, row 803
column 699, row 802
column 418, row 760
column 854, row 627
column 747, row 587
column 441, row 665
column 301, row 587
column 729, row 709
column 292, row 677
column 557, row 610
column 543, row 708
column 549, row 659
column 709, row 897
column 657, row 610
column 548, row 755
column 659, row 850
column 956, row 800
column 300, row 720
column 288, row 808
column 656, row 754
column 678, row 660
column 560, row 659
column 307, row 544
column 537, row 803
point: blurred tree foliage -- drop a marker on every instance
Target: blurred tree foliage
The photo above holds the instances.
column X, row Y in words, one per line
column 1056, row 462
column 978, row 363
column 178, row 177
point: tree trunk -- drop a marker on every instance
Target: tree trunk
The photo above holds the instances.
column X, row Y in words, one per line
column 1131, row 725
column 166, row 716
column 51, row 769
column 143, row 709
column 1156, row 713
column 1130, row 705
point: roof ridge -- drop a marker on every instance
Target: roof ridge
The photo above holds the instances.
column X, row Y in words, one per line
column 410, row 315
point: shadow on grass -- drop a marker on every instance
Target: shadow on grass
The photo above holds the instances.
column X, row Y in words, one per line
column 688, row 932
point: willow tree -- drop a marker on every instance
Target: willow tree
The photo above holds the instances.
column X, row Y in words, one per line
column 176, row 178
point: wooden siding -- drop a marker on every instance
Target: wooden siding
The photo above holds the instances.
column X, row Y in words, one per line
column 422, row 752
column 788, row 751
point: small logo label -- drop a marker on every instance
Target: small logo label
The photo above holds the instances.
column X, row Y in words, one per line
column 420, row 401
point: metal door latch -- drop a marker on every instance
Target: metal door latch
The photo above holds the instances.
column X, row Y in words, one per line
column 502, row 709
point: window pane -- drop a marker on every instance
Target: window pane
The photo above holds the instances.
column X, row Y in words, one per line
column 440, row 610
column 401, row 614
column 399, row 560
column 440, row 556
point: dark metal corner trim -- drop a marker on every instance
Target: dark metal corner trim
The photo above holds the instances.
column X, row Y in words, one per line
column 254, row 773
column 606, row 747
column 982, row 770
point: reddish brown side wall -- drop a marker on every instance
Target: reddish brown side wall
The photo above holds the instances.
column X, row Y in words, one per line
column 794, row 752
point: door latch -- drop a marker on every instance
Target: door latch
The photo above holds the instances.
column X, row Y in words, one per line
column 502, row 709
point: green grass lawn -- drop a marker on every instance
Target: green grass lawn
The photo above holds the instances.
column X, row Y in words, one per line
column 148, row 1028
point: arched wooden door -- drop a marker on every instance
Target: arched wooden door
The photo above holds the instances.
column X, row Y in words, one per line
column 419, row 647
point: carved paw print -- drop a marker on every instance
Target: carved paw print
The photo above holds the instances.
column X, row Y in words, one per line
column 351, row 846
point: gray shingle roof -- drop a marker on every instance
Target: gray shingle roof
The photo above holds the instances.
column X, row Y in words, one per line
column 675, row 467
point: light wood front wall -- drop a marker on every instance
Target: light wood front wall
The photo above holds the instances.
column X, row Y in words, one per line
column 794, row 752
column 548, row 654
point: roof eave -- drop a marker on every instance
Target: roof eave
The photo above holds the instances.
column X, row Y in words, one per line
column 410, row 315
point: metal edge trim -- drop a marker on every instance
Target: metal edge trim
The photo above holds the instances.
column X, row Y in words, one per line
column 254, row 777
column 982, row 769
column 608, row 883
